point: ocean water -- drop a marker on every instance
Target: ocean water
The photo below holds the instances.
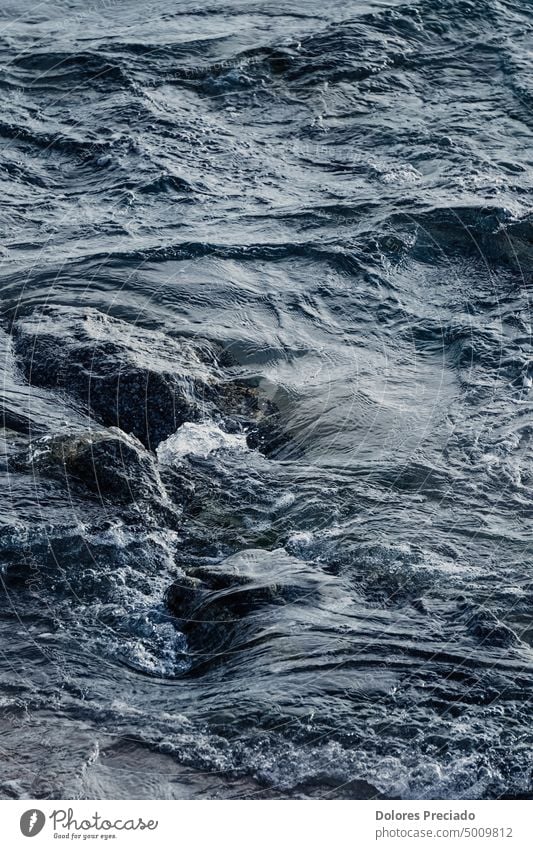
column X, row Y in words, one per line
column 267, row 457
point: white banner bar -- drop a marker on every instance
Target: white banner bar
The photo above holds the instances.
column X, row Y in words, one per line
column 266, row 824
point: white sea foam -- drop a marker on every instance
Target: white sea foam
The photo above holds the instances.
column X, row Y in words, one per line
column 198, row 440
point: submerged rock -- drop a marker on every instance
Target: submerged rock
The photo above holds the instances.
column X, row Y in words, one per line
column 493, row 233
column 244, row 581
column 108, row 462
column 222, row 605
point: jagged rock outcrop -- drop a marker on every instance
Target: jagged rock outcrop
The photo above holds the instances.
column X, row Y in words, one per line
column 141, row 381
column 110, row 463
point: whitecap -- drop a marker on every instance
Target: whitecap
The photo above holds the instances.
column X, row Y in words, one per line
column 198, row 439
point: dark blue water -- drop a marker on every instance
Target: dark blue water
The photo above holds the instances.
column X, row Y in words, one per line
column 267, row 459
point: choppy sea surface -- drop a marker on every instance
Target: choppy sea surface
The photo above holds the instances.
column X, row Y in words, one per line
column 267, row 445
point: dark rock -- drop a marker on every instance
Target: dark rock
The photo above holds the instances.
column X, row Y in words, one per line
column 487, row 628
column 243, row 582
column 139, row 380
column 108, row 462
column 215, row 604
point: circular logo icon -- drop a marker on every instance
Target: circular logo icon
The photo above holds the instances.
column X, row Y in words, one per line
column 32, row 822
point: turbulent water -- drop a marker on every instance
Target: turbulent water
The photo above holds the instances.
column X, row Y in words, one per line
column 267, row 457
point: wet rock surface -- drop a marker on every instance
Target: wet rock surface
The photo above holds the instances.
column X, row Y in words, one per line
column 210, row 601
column 109, row 463
column 146, row 383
